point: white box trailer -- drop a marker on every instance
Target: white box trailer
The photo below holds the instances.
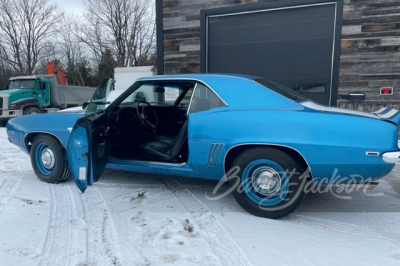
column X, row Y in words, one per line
column 126, row 76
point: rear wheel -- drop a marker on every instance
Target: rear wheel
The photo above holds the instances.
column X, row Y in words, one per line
column 32, row 110
column 267, row 182
column 48, row 160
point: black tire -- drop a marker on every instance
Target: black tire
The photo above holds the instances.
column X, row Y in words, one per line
column 3, row 122
column 32, row 110
column 60, row 171
column 281, row 201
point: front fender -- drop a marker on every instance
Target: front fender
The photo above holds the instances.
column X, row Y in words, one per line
column 19, row 129
column 20, row 104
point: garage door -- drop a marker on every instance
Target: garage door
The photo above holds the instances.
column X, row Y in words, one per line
column 291, row 45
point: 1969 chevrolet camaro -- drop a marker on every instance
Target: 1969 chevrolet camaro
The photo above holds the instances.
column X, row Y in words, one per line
column 266, row 140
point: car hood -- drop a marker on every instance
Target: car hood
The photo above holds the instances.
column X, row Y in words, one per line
column 12, row 92
column 4, row 92
column 385, row 114
column 77, row 109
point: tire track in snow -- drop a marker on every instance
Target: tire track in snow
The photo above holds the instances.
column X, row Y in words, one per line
column 59, row 246
column 227, row 250
column 7, row 189
column 333, row 226
column 382, row 228
column 101, row 247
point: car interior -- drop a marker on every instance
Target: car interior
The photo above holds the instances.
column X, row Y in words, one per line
column 151, row 123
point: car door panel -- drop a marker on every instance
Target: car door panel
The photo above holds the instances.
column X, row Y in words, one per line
column 78, row 154
column 100, row 153
column 88, row 145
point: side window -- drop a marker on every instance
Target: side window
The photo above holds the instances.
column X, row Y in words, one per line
column 186, row 99
column 204, row 99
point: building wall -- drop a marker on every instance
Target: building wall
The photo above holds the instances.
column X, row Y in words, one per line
column 370, row 47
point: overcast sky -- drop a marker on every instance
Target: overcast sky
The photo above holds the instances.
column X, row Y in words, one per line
column 72, row 7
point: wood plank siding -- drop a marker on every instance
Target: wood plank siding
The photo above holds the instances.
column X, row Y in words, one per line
column 370, row 46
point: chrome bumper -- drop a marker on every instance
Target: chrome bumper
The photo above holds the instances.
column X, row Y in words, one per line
column 391, row 157
column 5, row 113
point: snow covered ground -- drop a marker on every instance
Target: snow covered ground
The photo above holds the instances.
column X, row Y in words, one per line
column 136, row 219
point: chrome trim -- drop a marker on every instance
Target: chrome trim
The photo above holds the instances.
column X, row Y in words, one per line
column 267, row 144
column 191, row 79
column 26, row 134
column 191, row 98
column 275, row 9
column 391, row 157
column 69, row 129
column 264, row 188
column 48, row 158
column 114, row 160
column 333, row 53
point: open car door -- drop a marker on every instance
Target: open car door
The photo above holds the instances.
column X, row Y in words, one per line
column 88, row 147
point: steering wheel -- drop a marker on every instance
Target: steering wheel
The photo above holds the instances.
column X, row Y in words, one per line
column 141, row 111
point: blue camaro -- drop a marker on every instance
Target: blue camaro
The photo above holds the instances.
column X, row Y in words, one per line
column 267, row 141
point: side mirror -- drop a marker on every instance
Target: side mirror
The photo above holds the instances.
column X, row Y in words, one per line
column 356, row 96
column 42, row 86
column 85, row 105
column 7, row 87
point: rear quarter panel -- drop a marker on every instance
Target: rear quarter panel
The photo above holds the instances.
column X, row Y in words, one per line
column 334, row 145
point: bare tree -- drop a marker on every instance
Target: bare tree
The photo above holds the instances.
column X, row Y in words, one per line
column 70, row 50
column 125, row 27
column 25, row 28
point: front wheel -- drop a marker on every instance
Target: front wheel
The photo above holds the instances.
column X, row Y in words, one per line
column 48, row 160
column 267, row 182
column 3, row 122
column 32, row 111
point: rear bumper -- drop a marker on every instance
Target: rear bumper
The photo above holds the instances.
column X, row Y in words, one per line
column 391, row 157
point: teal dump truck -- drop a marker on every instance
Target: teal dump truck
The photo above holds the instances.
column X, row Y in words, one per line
column 40, row 94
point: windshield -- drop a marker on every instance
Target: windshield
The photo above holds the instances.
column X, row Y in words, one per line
column 99, row 100
column 160, row 93
column 284, row 91
column 22, row 84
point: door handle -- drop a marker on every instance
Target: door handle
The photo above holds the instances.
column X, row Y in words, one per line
column 106, row 132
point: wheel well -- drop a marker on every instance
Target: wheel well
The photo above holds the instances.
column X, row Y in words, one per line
column 31, row 136
column 235, row 151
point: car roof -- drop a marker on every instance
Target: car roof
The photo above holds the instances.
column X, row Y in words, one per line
column 200, row 76
column 236, row 90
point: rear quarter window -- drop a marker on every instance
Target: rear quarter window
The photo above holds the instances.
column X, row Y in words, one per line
column 282, row 90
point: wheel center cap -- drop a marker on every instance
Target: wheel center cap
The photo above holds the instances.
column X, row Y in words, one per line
column 48, row 159
column 266, row 181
